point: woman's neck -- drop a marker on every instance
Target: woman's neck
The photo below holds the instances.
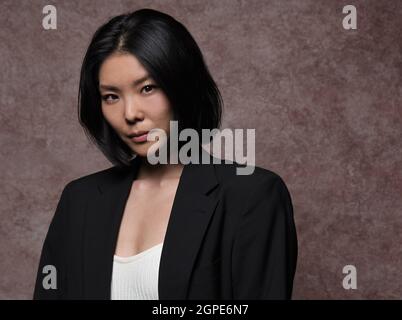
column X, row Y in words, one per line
column 158, row 172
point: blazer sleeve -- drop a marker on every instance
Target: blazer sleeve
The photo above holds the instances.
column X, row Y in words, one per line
column 265, row 246
column 52, row 259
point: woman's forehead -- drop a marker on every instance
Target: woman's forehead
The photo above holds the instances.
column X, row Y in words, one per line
column 122, row 69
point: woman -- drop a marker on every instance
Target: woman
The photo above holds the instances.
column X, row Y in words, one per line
column 166, row 231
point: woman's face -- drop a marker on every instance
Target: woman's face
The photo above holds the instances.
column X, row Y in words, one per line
column 132, row 101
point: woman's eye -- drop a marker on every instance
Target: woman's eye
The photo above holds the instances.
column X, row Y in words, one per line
column 109, row 98
column 148, row 88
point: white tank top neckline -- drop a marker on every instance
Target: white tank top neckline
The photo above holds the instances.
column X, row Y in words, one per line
column 136, row 277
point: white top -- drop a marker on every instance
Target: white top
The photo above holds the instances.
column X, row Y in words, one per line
column 136, row 277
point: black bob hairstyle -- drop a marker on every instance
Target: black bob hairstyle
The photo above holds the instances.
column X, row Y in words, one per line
column 173, row 59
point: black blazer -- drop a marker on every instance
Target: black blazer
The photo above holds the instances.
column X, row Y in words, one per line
column 229, row 236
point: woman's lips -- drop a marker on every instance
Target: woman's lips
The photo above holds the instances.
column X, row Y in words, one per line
column 140, row 138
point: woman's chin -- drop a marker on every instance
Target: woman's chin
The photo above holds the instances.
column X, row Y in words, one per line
column 142, row 150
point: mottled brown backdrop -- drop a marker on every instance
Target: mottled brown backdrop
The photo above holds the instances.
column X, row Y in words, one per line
column 325, row 103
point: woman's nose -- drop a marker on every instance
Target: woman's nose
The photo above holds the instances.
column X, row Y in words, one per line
column 132, row 110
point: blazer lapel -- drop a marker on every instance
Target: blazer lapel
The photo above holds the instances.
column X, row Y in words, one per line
column 103, row 218
column 192, row 209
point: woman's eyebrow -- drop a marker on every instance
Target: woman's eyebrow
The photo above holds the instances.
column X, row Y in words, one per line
column 141, row 80
column 135, row 83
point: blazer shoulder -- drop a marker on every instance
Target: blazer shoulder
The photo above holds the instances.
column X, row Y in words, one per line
column 228, row 174
column 263, row 186
column 90, row 181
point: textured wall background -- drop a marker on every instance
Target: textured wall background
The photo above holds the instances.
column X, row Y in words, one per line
column 325, row 103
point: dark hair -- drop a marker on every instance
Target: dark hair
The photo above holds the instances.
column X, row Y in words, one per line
column 173, row 59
